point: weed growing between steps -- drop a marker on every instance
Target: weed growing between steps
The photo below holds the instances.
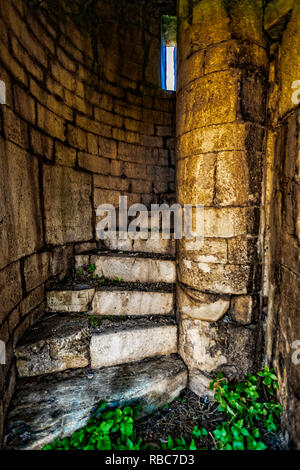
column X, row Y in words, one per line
column 88, row 273
column 245, row 416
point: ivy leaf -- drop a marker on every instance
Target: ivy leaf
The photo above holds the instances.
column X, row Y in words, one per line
column 192, row 445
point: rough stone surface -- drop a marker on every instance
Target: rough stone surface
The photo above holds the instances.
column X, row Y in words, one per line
column 132, row 344
column 209, row 347
column 10, row 289
column 54, row 344
column 199, row 306
column 36, row 270
column 124, row 302
column 70, row 300
column 20, row 207
column 151, row 245
column 67, row 205
column 242, row 309
column 68, row 399
column 132, row 269
column 215, row 278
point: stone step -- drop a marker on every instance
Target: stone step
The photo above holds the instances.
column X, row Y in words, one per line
column 129, row 268
column 113, row 300
column 56, row 405
column 68, row 341
column 55, row 343
column 156, row 244
column 124, row 344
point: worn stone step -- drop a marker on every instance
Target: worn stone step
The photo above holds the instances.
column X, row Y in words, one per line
column 112, row 301
column 129, row 268
column 133, row 303
column 154, row 244
column 55, row 343
column 69, row 341
column 130, row 343
column 56, row 405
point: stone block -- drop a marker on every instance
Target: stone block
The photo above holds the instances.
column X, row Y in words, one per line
column 41, row 144
column 20, row 207
column 196, row 179
column 32, row 300
column 10, row 289
column 36, row 269
column 235, row 54
column 238, row 179
column 209, row 100
column 229, row 222
column 93, row 163
column 214, row 347
column 133, row 269
column 242, row 250
column 207, row 250
column 196, row 305
column 123, row 302
column 50, row 123
column 54, row 344
column 215, row 278
column 69, row 300
column 68, row 209
column 218, row 138
column 15, row 129
column 65, row 156
column 151, row 245
column 191, row 69
column 132, row 345
column 24, row 104
column 243, row 309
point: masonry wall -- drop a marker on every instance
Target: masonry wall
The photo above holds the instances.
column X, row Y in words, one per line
column 223, row 67
column 73, row 135
column 282, row 223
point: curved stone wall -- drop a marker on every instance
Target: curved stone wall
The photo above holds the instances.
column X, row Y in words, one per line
column 282, row 217
column 221, row 100
column 71, row 137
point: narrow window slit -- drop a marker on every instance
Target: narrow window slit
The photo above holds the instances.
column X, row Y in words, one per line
column 169, row 53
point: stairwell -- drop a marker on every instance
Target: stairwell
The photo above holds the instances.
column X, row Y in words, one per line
column 109, row 336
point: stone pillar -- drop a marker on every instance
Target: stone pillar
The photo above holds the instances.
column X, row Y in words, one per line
column 220, row 135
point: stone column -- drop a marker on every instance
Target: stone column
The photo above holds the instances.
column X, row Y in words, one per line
column 220, row 135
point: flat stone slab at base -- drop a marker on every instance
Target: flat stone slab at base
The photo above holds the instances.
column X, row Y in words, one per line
column 59, row 404
column 130, row 268
column 111, row 348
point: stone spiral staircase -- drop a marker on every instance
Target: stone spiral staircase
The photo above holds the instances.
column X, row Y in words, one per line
column 115, row 341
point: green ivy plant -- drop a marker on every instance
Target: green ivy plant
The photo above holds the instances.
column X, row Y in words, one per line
column 108, row 429
column 250, row 407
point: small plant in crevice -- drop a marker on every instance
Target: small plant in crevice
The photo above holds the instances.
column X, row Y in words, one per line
column 115, row 318
column 94, row 321
column 87, row 273
column 249, row 408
